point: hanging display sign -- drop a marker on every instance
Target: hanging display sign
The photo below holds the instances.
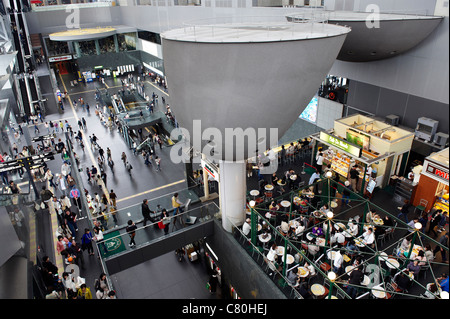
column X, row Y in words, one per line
column 343, row 145
column 60, row 58
column 437, row 172
column 211, row 169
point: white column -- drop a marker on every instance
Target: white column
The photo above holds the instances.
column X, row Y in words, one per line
column 232, row 190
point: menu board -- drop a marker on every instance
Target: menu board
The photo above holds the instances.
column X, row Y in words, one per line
column 357, row 138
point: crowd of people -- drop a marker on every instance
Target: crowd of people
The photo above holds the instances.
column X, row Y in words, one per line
column 304, row 221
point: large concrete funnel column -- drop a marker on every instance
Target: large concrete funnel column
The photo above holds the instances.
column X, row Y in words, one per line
column 248, row 76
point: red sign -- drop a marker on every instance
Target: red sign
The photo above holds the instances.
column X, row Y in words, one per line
column 438, row 172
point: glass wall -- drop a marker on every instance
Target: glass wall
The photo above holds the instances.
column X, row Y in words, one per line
column 56, row 47
column 107, row 45
column 127, row 41
column 87, row 48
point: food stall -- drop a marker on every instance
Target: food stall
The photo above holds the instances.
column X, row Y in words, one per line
column 379, row 149
column 433, row 184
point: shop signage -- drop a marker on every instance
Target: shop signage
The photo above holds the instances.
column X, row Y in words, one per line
column 60, row 58
column 436, row 171
column 211, row 169
column 337, row 142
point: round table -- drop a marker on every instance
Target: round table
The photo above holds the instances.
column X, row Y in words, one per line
column 392, row 263
column 259, row 227
column 293, row 177
column 310, row 236
column 332, row 297
column 297, row 200
column 444, row 294
column 378, row 292
column 366, row 280
column 280, row 250
column 384, row 256
column 349, row 269
column 303, row 272
column 264, row 239
column 279, row 182
column 318, row 290
column 333, row 204
column 290, row 259
column 285, row 203
column 268, row 215
column 378, row 221
column 254, row 192
column 339, row 226
column 268, row 187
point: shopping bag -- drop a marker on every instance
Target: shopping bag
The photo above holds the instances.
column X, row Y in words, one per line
column 161, row 225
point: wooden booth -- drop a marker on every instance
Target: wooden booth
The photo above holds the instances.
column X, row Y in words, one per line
column 379, row 150
column 433, row 187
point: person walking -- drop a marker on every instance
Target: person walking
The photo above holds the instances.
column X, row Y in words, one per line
column 131, row 230
column 158, row 163
column 100, row 239
column 129, row 167
column 165, row 221
column 404, row 210
column 124, row 158
column 86, row 241
column 145, row 211
column 83, row 121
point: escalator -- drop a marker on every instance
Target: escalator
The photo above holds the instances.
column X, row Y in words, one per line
column 23, row 92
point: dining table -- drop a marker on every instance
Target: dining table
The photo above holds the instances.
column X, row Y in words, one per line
column 285, row 203
column 264, row 238
column 317, row 290
column 303, row 272
column 280, row 182
column 378, row 292
column 280, row 250
column 338, row 226
column 254, row 193
column 392, row 263
column 289, row 259
column 378, row 221
column 268, row 187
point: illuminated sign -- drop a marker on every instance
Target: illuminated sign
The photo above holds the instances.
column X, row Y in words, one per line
column 336, row 142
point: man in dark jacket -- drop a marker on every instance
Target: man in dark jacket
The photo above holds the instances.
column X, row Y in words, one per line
column 356, row 278
column 145, row 211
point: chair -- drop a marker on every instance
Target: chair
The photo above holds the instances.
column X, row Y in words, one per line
column 423, row 270
column 381, row 238
column 423, row 203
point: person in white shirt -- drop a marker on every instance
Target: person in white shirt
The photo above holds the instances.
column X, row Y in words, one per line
column 300, row 229
column 246, row 227
column 319, row 161
column 312, row 270
column 340, row 237
column 368, row 237
column 65, row 169
column 337, row 261
column 353, row 228
column 284, row 227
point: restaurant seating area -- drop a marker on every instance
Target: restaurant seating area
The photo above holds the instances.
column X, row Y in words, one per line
column 308, row 240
